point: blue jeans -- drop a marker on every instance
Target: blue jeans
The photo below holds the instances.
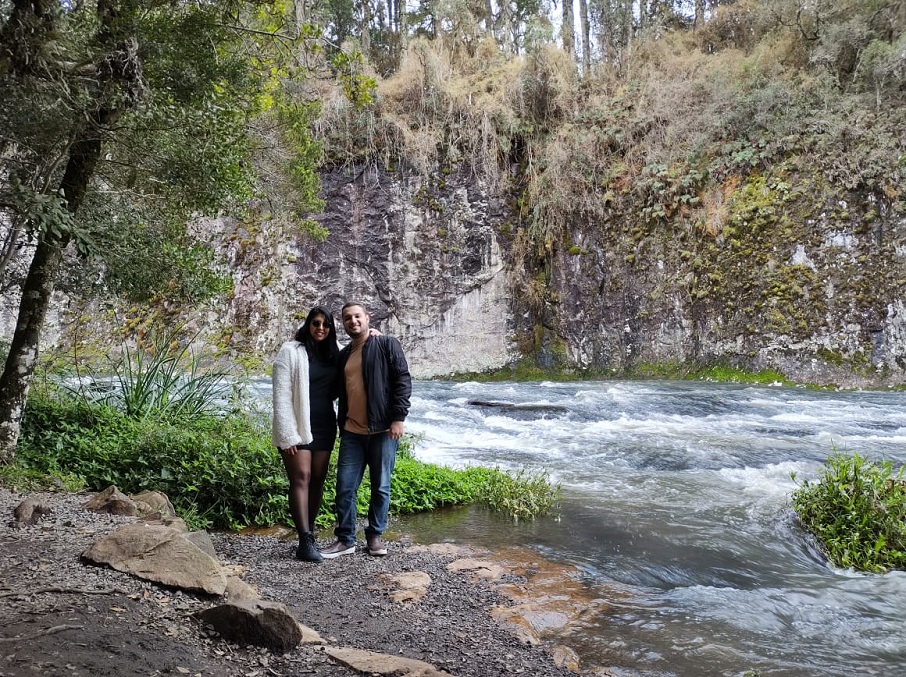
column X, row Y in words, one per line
column 378, row 453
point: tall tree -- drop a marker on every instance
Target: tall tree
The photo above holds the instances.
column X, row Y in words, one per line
column 584, row 24
column 568, row 29
column 120, row 117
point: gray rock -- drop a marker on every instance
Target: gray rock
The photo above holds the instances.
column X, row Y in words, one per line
column 158, row 553
column 28, row 512
column 154, row 504
column 202, row 540
column 238, row 590
column 257, row 621
column 113, row 502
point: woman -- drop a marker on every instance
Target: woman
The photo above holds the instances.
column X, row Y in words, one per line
column 304, row 422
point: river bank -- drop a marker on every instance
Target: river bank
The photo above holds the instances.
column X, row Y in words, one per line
column 63, row 617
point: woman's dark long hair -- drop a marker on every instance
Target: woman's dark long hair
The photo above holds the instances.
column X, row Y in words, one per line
column 326, row 350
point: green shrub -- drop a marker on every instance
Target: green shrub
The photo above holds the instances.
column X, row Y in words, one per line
column 522, row 494
column 222, row 471
column 857, row 511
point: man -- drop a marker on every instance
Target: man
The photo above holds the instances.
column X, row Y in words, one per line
column 374, row 401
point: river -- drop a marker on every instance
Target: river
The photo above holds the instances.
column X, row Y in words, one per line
column 676, row 506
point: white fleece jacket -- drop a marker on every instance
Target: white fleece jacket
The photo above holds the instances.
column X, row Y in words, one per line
column 291, row 423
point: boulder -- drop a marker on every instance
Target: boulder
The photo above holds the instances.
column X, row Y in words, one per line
column 255, row 621
column 238, row 590
column 112, row 501
column 28, row 512
column 154, row 504
column 202, row 540
column 161, row 554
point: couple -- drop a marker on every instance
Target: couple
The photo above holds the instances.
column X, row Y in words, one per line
column 370, row 377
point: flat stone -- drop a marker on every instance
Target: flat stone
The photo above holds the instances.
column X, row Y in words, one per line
column 373, row 663
column 481, row 569
column 158, row 553
column 408, row 586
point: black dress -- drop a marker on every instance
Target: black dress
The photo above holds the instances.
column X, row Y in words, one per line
column 322, row 391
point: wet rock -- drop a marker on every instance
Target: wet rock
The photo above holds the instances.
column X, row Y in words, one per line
column 541, row 408
column 487, row 571
column 565, row 657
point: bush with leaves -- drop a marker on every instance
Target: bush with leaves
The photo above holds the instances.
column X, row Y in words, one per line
column 220, row 470
column 857, row 511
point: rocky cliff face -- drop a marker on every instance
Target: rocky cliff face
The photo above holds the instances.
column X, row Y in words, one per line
column 814, row 291
column 802, row 281
column 425, row 260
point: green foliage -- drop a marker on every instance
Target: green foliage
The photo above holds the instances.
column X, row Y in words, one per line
column 358, row 87
column 857, row 511
column 183, row 148
column 727, row 374
column 221, row 470
column 522, row 495
column 20, row 478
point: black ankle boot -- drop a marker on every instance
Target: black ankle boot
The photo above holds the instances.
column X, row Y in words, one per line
column 307, row 550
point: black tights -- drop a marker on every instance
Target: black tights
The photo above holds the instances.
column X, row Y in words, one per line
column 306, row 471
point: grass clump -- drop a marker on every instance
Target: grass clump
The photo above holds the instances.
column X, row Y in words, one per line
column 857, row 511
column 523, row 494
column 726, row 374
column 218, row 471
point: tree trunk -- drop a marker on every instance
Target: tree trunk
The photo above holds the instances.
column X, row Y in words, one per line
column 586, row 37
column 365, row 30
column 23, row 351
column 568, row 31
column 699, row 14
column 123, row 66
column 402, row 25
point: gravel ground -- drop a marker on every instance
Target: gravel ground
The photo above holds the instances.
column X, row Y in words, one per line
column 62, row 617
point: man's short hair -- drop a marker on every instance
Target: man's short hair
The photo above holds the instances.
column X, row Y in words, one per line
column 350, row 304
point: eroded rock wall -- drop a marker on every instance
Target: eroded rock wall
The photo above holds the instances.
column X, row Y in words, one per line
column 425, row 260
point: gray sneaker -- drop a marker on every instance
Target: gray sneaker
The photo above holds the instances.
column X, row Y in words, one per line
column 376, row 546
column 337, row 549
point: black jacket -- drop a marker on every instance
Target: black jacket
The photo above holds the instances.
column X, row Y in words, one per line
column 387, row 382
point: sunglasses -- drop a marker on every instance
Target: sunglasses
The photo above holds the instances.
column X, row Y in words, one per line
column 318, row 324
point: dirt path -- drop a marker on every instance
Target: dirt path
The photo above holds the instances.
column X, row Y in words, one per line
column 62, row 617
